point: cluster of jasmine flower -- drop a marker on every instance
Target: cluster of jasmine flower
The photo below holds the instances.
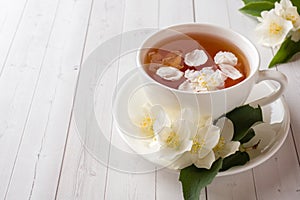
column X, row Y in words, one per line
column 278, row 23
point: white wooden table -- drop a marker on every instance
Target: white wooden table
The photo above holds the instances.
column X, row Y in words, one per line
column 42, row 46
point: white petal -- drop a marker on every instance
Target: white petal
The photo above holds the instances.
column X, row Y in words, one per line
column 216, row 80
column 186, row 122
column 168, row 154
column 205, row 79
column 273, row 29
column 154, row 145
column 287, row 11
column 279, row 10
column 160, row 118
column 225, row 58
column 210, row 79
column 292, row 14
column 173, row 153
column 230, row 71
column 265, row 135
column 264, row 14
column 191, row 75
column 163, row 135
column 259, row 19
column 205, row 162
column 206, row 71
column 226, row 126
column 195, row 58
column 178, row 137
column 229, row 149
column 186, row 86
column 211, row 136
column 181, row 127
column 182, row 162
column 286, row 3
column 204, row 121
column 169, row 73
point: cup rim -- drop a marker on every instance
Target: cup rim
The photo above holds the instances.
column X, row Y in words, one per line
column 253, row 68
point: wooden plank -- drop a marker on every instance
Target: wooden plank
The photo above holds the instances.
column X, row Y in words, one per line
column 82, row 176
column 292, row 96
column 140, row 14
column 11, row 14
column 124, row 182
column 169, row 186
column 18, row 81
column 128, row 175
column 238, row 186
column 37, row 166
column 175, row 12
column 213, row 12
column 279, row 177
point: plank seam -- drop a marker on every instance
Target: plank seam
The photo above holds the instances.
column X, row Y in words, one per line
column 228, row 16
column 194, row 11
column 253, row 178
column 72, row 108
column 111, row 125
column 295, row 144
column 13, row 38
column 31, row 102
column 155, row 184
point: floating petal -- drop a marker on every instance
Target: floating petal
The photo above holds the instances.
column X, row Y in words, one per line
column 186, row 86
column 223, row 57
column 230, row 71
column 196, row 58
column 169, row 73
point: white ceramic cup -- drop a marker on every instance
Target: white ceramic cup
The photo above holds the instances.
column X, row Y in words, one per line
column 212, row 103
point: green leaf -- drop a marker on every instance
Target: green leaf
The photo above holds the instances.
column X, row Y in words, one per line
column 255, row 8
column 286, row 51
column 243, row 118
column 249, row 1
column 193, row 179
column 239, row 158
column 248, row 136
column 297, row 4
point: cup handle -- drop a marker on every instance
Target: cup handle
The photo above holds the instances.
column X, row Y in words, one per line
column 271, row 75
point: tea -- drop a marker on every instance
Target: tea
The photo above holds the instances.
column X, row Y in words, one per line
column 198, row 62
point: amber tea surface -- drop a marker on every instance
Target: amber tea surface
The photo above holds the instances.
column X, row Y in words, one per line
column 171, row 52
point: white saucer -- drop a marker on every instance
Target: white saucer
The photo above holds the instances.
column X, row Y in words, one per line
column 276, row 114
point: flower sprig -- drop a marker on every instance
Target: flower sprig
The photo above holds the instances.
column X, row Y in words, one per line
column 197, row 145
column 242, row 118
column 279, row 26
